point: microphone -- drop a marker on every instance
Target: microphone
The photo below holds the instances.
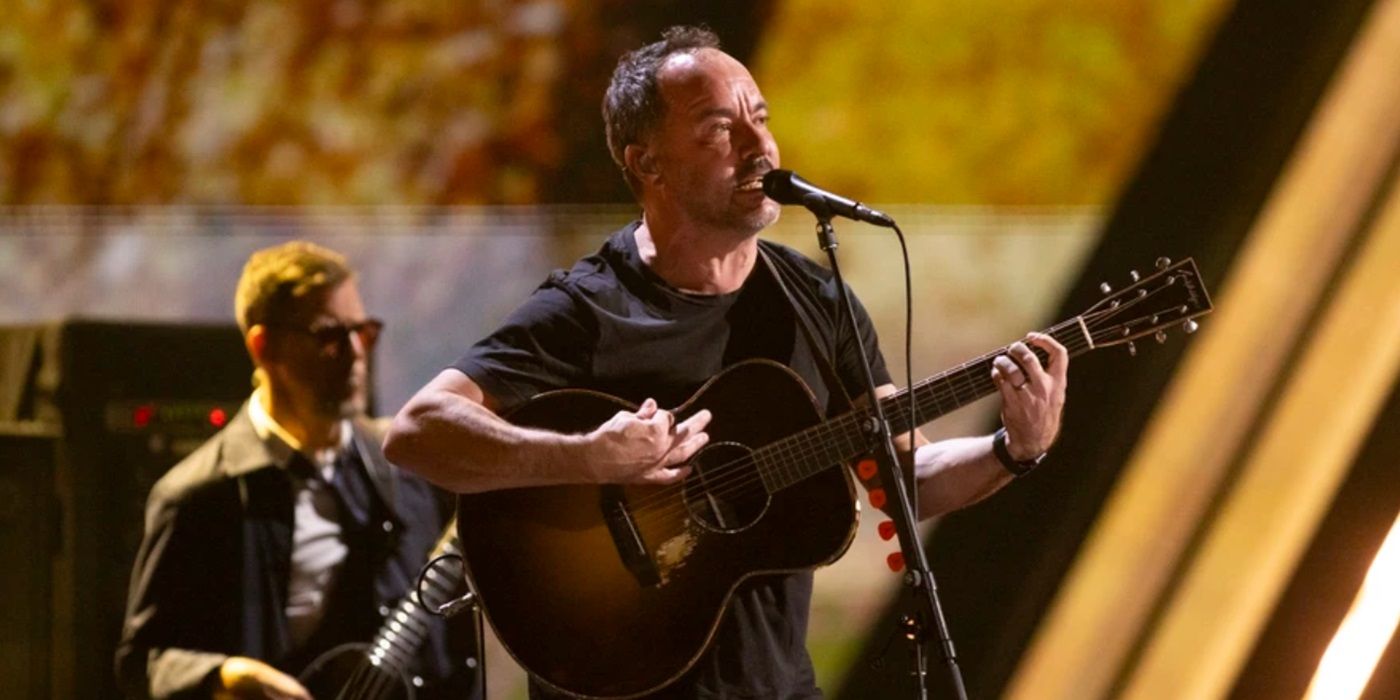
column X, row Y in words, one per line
column 786, row 187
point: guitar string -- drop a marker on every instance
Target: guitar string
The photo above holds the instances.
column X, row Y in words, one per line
column 783, row 462
column 736, row 475
column 953, row 384
column 810, row 444
column 804, row 448
column 380, row 678
column 977, row 384
column 383, row 678
column 792, row 447
column 357, row 688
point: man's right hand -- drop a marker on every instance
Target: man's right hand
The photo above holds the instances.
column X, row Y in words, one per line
column 241, row 677
column 645, row 446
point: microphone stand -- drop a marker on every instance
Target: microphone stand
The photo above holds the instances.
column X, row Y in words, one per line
column 917, row 575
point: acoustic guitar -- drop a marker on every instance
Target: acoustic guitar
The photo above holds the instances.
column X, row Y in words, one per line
column 610, row 591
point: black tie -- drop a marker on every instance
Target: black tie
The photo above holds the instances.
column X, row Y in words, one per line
column 351, row 486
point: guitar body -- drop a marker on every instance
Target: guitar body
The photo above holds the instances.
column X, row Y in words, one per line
column 612, row 591
column 345, row 671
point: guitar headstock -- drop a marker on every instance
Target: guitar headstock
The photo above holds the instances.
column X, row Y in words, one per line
column 1171, row 297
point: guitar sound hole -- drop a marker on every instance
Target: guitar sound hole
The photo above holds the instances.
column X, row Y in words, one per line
column 724, row 491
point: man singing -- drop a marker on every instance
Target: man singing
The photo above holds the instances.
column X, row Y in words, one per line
column 667, row 303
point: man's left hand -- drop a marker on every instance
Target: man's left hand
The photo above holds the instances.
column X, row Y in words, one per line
column 1032, row 397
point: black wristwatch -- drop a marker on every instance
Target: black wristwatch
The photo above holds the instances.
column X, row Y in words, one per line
column 1019, row 467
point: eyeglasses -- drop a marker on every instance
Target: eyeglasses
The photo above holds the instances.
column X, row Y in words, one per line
column 334, row 336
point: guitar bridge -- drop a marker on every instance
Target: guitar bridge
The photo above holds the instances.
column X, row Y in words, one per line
column 626, row 538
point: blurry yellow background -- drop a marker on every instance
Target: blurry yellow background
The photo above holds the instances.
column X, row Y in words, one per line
column 1004, row 128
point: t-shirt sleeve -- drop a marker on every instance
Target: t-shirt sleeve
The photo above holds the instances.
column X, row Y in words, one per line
column 848, row 359
column 542, row 345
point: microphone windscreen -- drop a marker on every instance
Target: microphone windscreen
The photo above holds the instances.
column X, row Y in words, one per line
column 777, row 184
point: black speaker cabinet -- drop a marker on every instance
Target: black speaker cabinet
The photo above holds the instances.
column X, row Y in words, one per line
column 28, row 539
column 91, row 414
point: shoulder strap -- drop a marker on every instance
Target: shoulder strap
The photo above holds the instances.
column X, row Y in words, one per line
column 809, row 330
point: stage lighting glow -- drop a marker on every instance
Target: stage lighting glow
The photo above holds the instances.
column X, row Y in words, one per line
column 1351, row 658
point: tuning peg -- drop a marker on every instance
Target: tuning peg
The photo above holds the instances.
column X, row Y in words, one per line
column 1161, row 337
column 1103, row 287
column 1164, row 263
column 1190, row 326
column 1134, row 275
column 1132, row 349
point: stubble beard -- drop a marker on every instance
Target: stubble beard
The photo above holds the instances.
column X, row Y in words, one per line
column 742, row 224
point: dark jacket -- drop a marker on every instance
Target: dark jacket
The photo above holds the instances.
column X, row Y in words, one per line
column 211, row 575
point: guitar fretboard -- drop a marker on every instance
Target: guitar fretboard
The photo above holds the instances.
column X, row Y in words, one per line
column 794, row 458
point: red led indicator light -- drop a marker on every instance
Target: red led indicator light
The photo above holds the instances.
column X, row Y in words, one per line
column 217, row 417
column 141, row 415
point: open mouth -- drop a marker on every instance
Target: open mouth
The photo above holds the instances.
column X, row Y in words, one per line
column 751, row 184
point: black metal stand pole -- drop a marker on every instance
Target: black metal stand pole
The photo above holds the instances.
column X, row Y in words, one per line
column 917, row 575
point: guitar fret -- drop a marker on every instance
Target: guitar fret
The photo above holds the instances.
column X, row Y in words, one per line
column 796, row 457
column 409, row 621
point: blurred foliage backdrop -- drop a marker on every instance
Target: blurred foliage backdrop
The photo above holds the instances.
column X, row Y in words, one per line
column 395, row 130
column 496, row 102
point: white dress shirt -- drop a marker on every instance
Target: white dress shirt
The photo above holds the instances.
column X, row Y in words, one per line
column 318, row 544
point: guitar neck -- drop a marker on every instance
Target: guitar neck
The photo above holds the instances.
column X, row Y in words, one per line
column 406, row 627
column 950, row 390
column 845, row 437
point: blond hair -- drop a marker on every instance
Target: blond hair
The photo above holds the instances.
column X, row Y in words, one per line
column 277, row 282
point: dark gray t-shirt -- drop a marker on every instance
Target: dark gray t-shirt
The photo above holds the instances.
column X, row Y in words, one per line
column 610, row 324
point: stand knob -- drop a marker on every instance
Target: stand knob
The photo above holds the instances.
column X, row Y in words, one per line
column 877, row 498
column 866, row 469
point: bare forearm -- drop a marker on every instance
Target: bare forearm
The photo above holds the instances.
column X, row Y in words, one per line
column 462, row 446
column 956, row 473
